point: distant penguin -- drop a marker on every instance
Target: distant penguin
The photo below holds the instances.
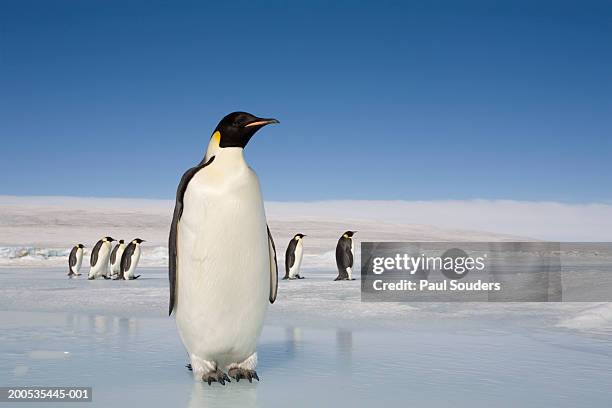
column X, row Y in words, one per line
column 75, row 260
column 115, row 258
column 293, row 257
column 129, row 260
column 344, row 256
column 99, row 259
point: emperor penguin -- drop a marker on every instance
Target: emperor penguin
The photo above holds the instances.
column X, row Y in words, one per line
column 222, row 259
column 75, row 260
column 100, row 255
column 293, row 257
column 345, row 253
column 115, row 257
column 129, row 260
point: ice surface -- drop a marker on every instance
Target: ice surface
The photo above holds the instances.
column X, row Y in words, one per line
column 320, row 347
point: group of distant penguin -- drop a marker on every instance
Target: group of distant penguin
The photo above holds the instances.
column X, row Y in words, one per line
column 345, row 251
column 119, row 263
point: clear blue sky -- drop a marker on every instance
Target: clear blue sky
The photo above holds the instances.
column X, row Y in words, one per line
column 381, row 100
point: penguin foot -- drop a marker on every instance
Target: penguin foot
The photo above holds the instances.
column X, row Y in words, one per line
column 299, row 277
column 215, row 376
column 237, row 373
column 105, row 277
column 189, row 367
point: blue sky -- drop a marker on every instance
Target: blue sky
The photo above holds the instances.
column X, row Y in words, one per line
column 378, row 100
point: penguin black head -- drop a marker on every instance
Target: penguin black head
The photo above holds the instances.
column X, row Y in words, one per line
column 237, row 128
column 299, row 236
column 121, row 241
column 108, row 239
column 349, row 234
column 138, row 241
column 80, row 246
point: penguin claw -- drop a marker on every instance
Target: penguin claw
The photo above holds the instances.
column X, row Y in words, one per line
column 238, row 373
column 215, row 376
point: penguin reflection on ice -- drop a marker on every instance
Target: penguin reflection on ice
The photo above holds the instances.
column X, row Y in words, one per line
column 75, row 259
column 222, row 260
column 345, row 253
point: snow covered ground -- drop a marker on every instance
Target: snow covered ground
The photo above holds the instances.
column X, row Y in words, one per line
column 39, row 231
column 321, row 345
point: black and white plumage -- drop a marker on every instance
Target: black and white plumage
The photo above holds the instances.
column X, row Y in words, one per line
column 99, row 259
column 344, row 256
column 129, row 260
column 222, row 264
column 293, row 257
column 75, row 260
column 115, row 257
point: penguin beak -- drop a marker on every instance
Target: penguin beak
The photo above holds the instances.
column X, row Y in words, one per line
column 260, row 122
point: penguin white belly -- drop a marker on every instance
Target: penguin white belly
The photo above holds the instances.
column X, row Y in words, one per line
column 349, row 270
column 223, row 263
column 101, row 266
column 116, row 266
column 129, row 274
column 295, row 269
column 79, row 261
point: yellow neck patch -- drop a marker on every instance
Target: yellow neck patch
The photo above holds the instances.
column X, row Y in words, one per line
column 217, row 137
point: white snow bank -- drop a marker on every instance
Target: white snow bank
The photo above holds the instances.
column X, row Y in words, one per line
column 55, row 257
column 41, row 230
column 596, row 318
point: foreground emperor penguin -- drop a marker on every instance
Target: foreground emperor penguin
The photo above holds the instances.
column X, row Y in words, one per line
column 100, row 255
column 222, row 260
column 129, row 260
column 293, row 257
column 115, row 257
column 345, row 253
column 75, row 260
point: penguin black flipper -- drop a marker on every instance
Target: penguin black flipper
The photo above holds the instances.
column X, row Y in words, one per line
column 344, row 258
column 72, row 261
column 126, row 259
column 176, row 217
column 273, row 267
column 114, row 254
column 290, row 257
column 94, row 253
